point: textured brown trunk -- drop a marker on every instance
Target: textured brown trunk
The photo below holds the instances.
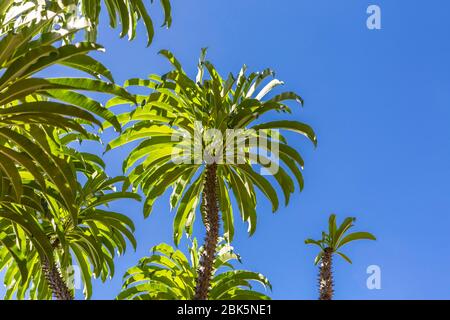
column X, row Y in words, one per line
column 55, row 281
column 326, row 276
column 211, row 221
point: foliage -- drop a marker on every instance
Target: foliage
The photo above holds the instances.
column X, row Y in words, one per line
column 175, row 107
column 85, row 14
column 88, row 239
column 337, row 237
column 168, row 275
column 30, row 106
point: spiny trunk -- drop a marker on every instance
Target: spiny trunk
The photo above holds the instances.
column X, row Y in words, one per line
column 55, row 281
column 326, row 276
column 211, row 221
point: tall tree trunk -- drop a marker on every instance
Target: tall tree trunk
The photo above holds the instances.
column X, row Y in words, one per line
column 326, row 275
column 211, row 221
column 55, row 281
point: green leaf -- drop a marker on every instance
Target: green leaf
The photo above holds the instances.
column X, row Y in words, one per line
column 171, row 58
column 180, row 186
column 295, row 126
column 269, row 87
column 85, row 84
column 26, row 162
column 347, row 224
column 356, row 236
column 262, row 183
column 311, row 241
column 147, row 20
column 187, row 206
column 13, row 174
column 50, row 107
column 18, row 69
column 227, row 211
column 17, row 255
column 107, row 198
column 85, row 270
column 245, row 197
column 345, row 257
column 88, row 65
column 332, row 225
column 167, row 13
column 287, row 96
column 318, row 258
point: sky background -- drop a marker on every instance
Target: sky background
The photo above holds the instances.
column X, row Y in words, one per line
column 380, row 104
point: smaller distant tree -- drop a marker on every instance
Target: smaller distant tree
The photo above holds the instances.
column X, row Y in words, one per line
column 330, row 244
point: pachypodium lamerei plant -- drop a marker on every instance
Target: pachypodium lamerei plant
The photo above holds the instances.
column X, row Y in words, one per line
column 89, row 245
column 169, row 275
column 31, row 105
column 43, row 241
column 221, row 114
column 32, row 108
column 330, row 244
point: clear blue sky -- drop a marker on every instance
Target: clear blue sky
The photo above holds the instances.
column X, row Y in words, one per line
column 380, row 104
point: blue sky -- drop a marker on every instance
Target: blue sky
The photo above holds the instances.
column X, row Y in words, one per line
column 380, row 104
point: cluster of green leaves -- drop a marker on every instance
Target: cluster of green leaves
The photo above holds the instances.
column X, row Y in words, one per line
column 30, row 105
column 169, row 275
column 46, row 213
column 173, row 107
column 42, row 225
column 337, row 237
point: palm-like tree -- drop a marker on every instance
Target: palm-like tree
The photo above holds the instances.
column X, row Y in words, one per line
column 48, row 218
column 41, row 251
column 175, row 108
column 91, row 243
column 330, row 244
column 32, row 105
column 169, row 275
column 86, row 14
